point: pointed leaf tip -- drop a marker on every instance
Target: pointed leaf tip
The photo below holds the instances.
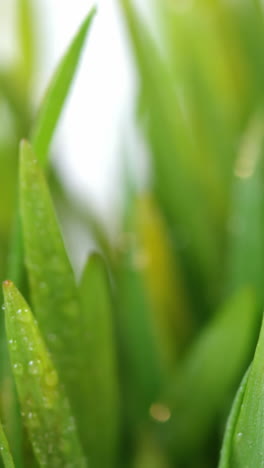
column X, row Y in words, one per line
column 57, row 92
column 44, row 405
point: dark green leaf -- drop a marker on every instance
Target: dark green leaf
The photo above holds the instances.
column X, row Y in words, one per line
column 209, row 373
column 231, row 423
column 102, row 396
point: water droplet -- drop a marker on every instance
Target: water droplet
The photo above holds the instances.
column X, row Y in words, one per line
column 13, row 345
column 32, row 419
column 239, row 435
column 23, row 315
column 71, row 425
column 51, row 378
column 35, row 367
column 1, row 448
column 3, row 307
column 18, row 368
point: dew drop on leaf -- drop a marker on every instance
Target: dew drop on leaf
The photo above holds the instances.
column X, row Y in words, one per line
column 35, row 367
column 13, row 345
column 18, row 368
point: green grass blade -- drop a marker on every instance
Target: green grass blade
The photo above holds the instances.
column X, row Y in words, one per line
column 231, row 423
column 26, row 42
column 162, row 277
column 206, row 377
column 143, row 372
column 246, row 249
column 180, row 180
column 52, row 283
column 5, row 450
column 247, row 444
column 45, row 408
column 57, row 93
column 102, row 396
column 149, row 454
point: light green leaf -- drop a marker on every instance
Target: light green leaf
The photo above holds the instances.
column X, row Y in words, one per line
column 52, row 283
column 57, row 93
column 45, row 408
column 247, row 443
column 102, row 396
column 231, row 422
column 246, row 249
column 209, row 373
column 5, row 450
column 26, row 41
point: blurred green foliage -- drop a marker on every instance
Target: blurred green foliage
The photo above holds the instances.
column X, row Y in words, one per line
column 137, row 364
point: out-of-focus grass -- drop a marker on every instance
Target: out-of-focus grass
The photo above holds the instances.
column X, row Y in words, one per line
column 137, row 366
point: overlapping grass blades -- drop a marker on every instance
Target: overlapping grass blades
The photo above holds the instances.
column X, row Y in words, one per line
column 198, row 392
column 151, row 345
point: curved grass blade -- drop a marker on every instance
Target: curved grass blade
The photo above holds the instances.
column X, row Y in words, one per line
column 247, row 447
column 206, row 377
column 57, row 93
column 5, row 450
column 52, row 283
column 102, row 396
column 231, row 423
column 45, row 408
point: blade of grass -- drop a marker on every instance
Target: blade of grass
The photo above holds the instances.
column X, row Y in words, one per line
column 52, row 283
column 26, row 42
column 102, row 396
column 45, row 408
column 179, row 177
column 58, row 90
column 143, row 371
column 205, row 377
column 231, row 423
column 149, row 454
column 248, row 435
column 246, row 250
column 5, row 450
column 163, row 280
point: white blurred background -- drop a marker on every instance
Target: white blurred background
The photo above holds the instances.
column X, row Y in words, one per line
column 88, row 141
